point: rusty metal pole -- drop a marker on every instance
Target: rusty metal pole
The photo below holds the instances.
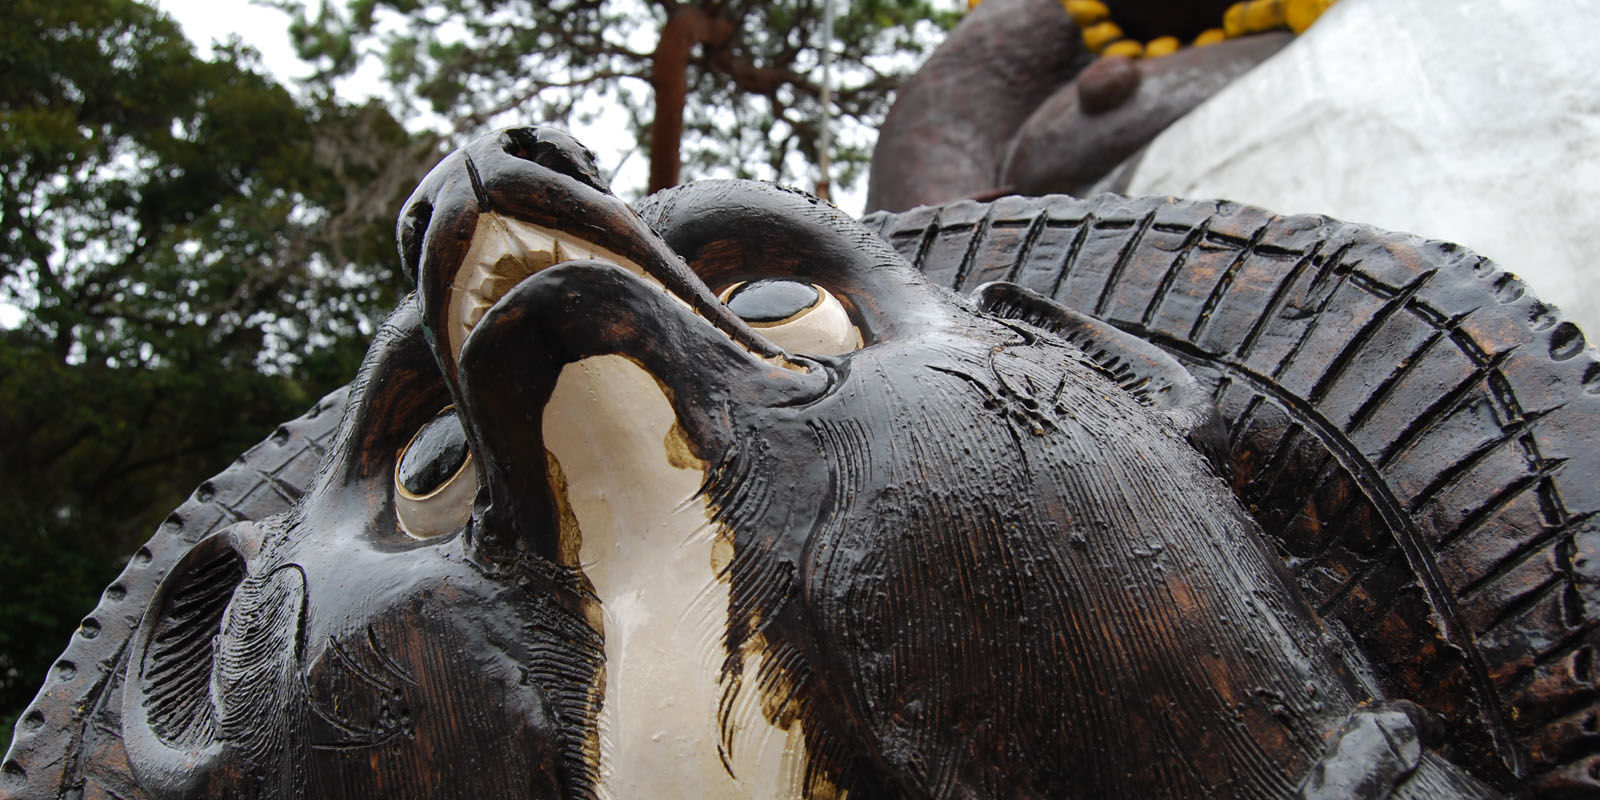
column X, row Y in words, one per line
column 824, row 182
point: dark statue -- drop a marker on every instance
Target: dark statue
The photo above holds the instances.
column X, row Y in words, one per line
column 962, row 547
column 730, row 495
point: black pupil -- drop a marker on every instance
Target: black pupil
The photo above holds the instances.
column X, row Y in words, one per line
column 771, row 300
column 435, row 455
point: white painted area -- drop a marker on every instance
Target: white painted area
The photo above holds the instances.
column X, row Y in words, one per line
column 649, row 550
column 503, row 252
column 1474, row 121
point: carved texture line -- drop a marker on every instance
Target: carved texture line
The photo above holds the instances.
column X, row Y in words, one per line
column 1463, row 299
column 44, row 759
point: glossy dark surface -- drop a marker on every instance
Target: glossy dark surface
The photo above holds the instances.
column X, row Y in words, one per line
column 1410, row 425
column 438, row 452
column 771, row 300
column 986, row 555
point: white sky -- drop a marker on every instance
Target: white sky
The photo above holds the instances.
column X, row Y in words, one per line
column 267, row 30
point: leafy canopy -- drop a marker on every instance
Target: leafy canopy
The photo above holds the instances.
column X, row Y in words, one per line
column 752, row 70
column 196, row 257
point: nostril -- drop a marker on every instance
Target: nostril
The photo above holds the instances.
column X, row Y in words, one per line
column 413, row 229
column 173, row 668
column 213, row 669
column 555, row 151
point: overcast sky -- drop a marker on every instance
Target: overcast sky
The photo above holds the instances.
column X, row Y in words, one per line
column 267, row 30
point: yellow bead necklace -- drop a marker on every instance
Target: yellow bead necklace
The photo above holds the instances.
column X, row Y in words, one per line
column 1241, row 19
column 1105, row 37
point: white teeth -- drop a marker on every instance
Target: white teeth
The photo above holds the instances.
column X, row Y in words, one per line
column 503, row 252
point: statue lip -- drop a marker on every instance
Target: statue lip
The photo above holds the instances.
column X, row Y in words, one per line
column 504, row 252
column 525, row 262
column 514, row 203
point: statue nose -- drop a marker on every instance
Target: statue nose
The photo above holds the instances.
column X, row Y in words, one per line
column 556, row 151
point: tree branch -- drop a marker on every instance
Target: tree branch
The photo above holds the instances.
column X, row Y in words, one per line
column 687, row 26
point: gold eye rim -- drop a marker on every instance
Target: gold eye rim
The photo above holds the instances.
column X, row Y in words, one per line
column 400, row 457
column 414, row 512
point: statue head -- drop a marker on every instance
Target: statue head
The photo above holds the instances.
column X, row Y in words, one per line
column 722, row 498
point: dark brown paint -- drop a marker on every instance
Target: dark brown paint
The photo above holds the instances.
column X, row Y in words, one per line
column 983, row 563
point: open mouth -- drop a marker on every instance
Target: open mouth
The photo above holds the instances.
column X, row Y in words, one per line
column 505, row 252
column 511, row 205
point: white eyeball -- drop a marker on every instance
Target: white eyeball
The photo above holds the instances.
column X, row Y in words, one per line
column 800, row 317
column 434, row 480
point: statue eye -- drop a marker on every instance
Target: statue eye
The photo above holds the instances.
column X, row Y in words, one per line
column 434, row 480
column 797, row 316
column 771, row 302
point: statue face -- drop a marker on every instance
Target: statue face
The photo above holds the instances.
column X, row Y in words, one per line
column 349, row 653
column 722, row 499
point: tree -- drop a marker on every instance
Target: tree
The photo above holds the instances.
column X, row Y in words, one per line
column 155, row 203
column 716, row 85
column 197, row 256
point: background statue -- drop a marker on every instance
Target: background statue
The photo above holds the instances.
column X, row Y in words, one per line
column 722, row 498
column 1027, row 98
column 1474, row 126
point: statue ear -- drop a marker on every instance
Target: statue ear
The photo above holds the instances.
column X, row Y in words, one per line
column 1147, row 372
column 215, row 653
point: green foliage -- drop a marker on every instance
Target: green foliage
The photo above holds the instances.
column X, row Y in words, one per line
column 153, row 203
column 197, row 255
column 753, row 107
column 94, row 457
